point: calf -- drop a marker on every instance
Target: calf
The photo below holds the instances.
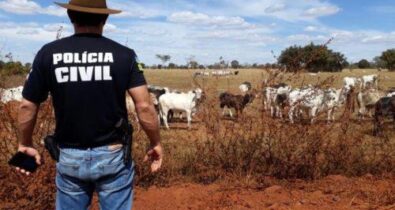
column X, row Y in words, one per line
column 384, row 108
column 238, row 102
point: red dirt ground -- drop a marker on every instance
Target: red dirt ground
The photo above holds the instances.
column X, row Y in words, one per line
column 331, row 193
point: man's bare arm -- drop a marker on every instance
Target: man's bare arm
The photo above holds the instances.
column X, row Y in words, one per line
column 146, row 113
column 27, row 117
column 148, row 119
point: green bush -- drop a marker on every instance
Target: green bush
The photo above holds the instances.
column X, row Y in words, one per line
column 14, row 68
column 313, row 58
column 388, row 57
column 363, row 64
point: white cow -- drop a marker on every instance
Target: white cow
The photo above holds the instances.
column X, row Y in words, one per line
column 11, row 94
column 131, row 107
column 270, row 94
column 370, row 81
column 310, row 99
column 186, row 102
column 278, row 97
column 367, row 100
column 315, row 101
column 333, row 99
column 350, row 82
column 221, row 73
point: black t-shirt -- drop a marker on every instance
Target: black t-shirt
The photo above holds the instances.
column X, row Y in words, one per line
column 87, row 76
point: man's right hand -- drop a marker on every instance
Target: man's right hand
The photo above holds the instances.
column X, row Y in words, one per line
column 29, row 150
column 155, row 156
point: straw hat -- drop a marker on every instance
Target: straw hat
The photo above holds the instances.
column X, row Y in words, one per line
column 89, row 6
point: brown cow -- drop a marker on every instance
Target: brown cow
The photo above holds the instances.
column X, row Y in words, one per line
column 238, row 102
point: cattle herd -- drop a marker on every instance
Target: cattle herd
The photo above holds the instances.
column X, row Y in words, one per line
column 313, row 100
column 216, row 73
column 279, row 100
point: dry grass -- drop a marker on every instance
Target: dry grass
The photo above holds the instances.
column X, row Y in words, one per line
column 244, row 150
column 257, row 145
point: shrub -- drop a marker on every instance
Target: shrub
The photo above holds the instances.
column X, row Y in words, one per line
column 363, row 64
column 388, row 57
column 312, row 58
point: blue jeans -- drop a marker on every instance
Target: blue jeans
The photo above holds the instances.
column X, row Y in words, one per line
column 101, row 169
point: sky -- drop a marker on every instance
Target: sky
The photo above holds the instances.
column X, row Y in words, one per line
column 250, row 31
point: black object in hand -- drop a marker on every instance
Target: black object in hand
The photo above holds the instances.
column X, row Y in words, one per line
column 24, row 161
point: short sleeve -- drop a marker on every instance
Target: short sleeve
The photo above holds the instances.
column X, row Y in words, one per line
column 36, row 86
column 136, row 75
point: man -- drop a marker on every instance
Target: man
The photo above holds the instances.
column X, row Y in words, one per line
column 87, row 76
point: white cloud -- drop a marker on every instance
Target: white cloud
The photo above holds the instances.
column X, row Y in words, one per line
column 246, row 30
column 191, row 18
column 23, row 7
column 275, row 8
column 287, row 10
column 31, row 31
column 322, row 11
column 133, row 9
column 311, row 29
column 305, row 39
column 28, row 7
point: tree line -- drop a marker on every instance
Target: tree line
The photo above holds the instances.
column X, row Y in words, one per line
column 311, row 58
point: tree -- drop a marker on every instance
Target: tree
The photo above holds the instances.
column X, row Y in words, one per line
column 363, row 64
column 291, row 58
column 172, row 66
column 192, row 63
column 378, row 62
column 235, row 64
column 222, row 63
column 163, row 58
column 388, row 58
column 313, row 58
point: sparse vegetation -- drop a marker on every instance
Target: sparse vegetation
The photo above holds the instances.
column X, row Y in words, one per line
column 219, row 149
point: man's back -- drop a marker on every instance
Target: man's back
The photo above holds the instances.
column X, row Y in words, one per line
column 87, row 76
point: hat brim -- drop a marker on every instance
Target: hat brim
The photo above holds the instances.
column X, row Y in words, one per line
column 88, row 9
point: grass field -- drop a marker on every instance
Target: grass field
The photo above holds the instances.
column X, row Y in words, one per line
column 182, row 79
